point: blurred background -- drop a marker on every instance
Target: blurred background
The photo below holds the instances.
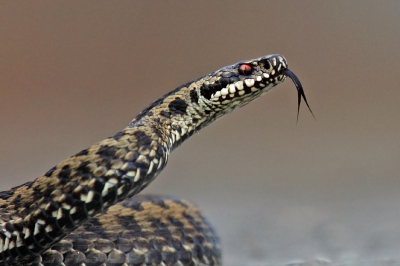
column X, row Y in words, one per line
column 73, row 73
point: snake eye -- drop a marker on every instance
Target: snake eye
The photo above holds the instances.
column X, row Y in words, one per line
column 245, row 69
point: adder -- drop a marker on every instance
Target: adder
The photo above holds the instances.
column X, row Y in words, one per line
column 70, row 215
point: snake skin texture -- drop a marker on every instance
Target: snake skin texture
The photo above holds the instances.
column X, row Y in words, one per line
column 46, row 221
column 143, row 230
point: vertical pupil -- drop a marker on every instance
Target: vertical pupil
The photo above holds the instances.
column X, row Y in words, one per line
column 245, row 69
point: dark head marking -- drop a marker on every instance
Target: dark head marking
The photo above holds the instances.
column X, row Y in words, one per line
column 178, row 106
column 193, row 96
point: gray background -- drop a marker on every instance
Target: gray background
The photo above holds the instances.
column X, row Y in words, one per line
column 74, row 72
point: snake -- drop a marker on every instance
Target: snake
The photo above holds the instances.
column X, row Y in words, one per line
column 86, row 210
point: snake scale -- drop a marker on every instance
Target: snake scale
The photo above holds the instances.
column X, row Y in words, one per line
column 84, row 211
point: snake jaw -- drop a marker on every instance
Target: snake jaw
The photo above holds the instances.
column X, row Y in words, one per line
column 239, row 84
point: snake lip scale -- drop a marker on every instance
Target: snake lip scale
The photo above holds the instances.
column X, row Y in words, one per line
column 47, row 220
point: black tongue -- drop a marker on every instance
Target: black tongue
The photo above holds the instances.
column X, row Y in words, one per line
column 300, row 91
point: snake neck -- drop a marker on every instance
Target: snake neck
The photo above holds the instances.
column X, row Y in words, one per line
column 175, row 116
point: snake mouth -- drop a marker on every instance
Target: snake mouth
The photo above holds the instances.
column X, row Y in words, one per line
column 244, row 87
column 300, row 91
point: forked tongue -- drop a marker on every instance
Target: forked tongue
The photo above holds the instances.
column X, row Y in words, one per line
column 300, row 91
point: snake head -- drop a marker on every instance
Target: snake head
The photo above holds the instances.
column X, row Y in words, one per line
column 243, row 81
column 236, row 85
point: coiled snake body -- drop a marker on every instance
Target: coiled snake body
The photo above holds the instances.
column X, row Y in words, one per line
column 68, row 216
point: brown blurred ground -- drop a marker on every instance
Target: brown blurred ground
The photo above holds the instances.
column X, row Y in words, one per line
column 73, row 73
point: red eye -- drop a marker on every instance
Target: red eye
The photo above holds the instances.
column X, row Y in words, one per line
column 245, row 69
